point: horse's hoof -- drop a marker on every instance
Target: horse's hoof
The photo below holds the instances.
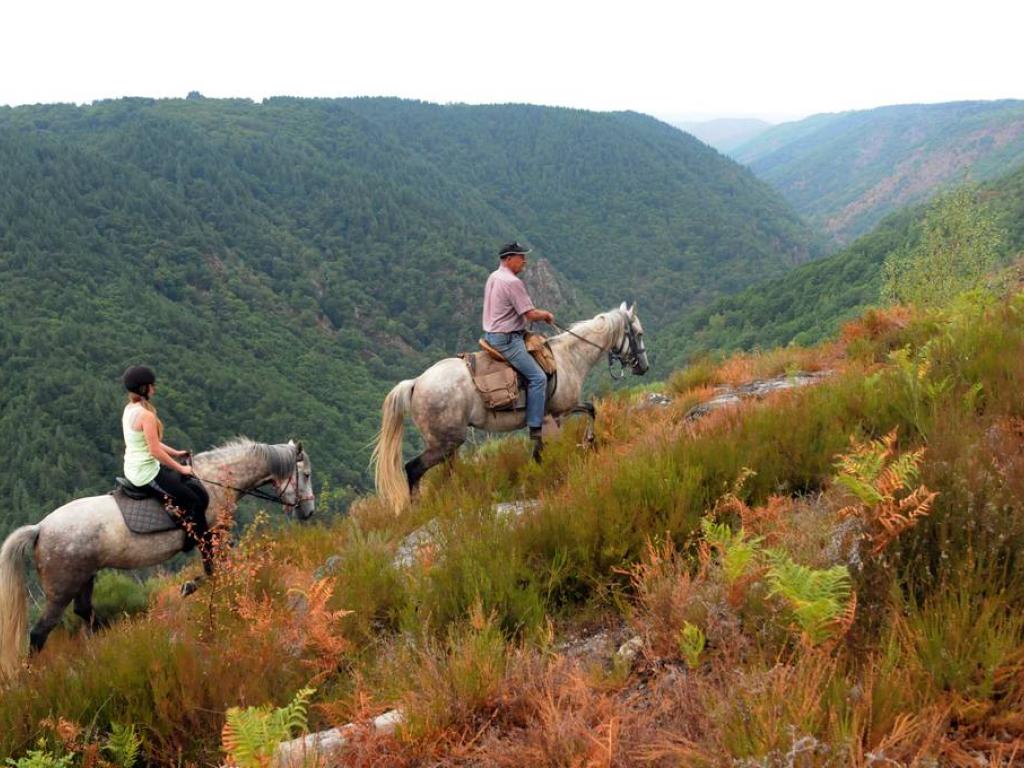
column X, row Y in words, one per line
column 188, row 588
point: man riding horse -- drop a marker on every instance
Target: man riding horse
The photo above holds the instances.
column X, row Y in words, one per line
column 507, row 309
column 444, row 401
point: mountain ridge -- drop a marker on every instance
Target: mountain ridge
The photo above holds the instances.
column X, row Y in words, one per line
column 845, row 171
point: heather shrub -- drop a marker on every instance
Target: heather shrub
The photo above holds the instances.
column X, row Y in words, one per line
column 699, row 374
column 442, row 683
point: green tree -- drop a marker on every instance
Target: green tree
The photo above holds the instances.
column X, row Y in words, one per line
column 959, row 250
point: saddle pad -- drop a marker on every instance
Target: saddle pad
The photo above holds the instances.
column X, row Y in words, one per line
column 144, row 515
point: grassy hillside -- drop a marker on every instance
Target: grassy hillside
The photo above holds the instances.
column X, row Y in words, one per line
column 811, row 302
column 283, row 264
column 832, row 573
column 845, row 172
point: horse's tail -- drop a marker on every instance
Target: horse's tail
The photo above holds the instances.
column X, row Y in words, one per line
column 13, row 616
column 389, row 473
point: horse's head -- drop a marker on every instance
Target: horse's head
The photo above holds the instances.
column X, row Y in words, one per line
column 631, row 350
column 296, row 491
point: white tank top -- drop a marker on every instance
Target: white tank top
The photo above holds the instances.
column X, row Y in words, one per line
column 140, row 467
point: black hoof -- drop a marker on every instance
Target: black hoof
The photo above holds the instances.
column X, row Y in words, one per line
column 188, row 588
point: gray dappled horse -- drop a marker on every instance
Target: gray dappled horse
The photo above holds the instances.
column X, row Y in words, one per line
column 76, row 540
column 443, row 400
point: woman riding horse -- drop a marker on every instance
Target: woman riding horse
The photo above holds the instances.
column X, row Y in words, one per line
column 151, row 464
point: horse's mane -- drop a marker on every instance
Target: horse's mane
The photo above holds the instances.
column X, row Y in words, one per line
column 280, row 458
column 565, row 336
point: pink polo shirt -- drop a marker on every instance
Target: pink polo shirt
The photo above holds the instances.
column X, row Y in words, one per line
column 505, row 302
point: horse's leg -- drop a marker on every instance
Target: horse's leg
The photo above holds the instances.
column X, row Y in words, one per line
column 51, row 617
column 83, row 605
column 414, row 471
column 435, row 454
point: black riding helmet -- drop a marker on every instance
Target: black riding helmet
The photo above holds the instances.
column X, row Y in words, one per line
column 137, row 377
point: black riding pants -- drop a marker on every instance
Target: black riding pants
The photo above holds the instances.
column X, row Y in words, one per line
column 189, row 495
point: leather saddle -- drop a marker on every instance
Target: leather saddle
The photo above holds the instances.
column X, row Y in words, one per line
column 133, row 491
column 142, row 508
column 500, row 385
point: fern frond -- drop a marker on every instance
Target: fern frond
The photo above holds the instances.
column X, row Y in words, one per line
column 124, row 745
column 816, row 597
column 251, row 736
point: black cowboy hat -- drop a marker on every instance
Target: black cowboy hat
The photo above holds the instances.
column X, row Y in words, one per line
column 511, row 249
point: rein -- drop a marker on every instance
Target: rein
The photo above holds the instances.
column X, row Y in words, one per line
column 255, row 492
column 259, row 494
column 557, row 327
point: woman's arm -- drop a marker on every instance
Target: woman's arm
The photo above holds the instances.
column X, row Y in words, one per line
column 174, row 451
column 157, row 448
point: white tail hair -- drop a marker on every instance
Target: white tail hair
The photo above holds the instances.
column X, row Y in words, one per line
column 13, row 607
column 389, row 472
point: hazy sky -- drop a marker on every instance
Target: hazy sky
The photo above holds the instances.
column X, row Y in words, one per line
column 779, row 59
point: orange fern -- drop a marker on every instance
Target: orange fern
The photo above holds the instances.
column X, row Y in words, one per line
column 882, row 479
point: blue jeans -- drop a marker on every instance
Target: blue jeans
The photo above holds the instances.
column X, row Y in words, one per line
column 512, row 346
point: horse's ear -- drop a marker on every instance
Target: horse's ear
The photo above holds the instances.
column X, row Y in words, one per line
column 632, row 310
column 623, row 307
column 298, row 448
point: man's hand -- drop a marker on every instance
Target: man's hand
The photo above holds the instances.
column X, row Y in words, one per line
column 540, row 314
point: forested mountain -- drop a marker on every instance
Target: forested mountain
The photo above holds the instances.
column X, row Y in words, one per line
column 812, row 301
column 282, row 264
column 725, row 133
column 845, row 172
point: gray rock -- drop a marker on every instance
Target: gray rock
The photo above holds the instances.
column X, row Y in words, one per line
column 429, row 533
column 330, row 567
column 629, row 650
column 727, row 396
column 411, row 545
column 653, row 400
column 514, row 509
column 320, row 748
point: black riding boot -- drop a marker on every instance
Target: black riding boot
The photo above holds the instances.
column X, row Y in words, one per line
column 538, row 443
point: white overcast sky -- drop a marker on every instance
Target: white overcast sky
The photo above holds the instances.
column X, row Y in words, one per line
column 779, row 59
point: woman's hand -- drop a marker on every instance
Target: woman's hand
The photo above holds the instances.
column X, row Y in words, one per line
column 185, row 470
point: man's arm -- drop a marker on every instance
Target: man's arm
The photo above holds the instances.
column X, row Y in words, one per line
column 539, row 314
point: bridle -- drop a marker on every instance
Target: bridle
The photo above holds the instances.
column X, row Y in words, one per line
column 628, row 353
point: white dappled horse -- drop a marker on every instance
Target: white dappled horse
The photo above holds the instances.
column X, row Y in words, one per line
column 444, row 402
column 76, row 540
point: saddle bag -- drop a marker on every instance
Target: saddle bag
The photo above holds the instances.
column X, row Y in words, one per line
column 537, row 346
column 497, row 382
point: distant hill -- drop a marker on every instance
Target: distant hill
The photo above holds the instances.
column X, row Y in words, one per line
column 283, row 264
column 725, row 133
column 847, row 171
column 811, row 302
